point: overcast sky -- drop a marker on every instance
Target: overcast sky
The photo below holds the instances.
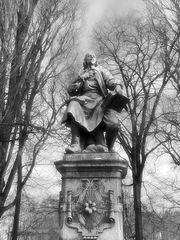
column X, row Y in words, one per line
column 95, row 10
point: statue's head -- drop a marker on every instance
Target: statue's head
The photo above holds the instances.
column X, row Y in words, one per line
column 89, row 60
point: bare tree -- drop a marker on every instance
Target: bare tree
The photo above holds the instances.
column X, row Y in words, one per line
column 35, row 39
column 168, row 128
column 169, row 125
column 166, row 24
column 40, row 220
column 143, row 57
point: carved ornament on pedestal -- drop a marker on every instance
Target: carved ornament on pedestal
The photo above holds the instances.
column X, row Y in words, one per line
column 90, row 209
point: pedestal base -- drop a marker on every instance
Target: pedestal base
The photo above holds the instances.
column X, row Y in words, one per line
column 91, row 196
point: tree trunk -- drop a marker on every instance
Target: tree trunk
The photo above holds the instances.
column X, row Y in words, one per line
column 15, row 229
column 137, row 208
column 14, row 235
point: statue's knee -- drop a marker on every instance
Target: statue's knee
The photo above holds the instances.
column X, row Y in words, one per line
column 112, row 125
column 111, row 119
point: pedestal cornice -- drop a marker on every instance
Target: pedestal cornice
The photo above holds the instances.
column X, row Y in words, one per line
column 94, row 162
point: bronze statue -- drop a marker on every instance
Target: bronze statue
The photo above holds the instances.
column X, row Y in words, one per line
column 92, row 112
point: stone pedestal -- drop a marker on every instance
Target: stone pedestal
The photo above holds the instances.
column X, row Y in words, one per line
column 91, row 196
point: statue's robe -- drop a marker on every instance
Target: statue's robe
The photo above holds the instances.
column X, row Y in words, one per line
column 90, row 90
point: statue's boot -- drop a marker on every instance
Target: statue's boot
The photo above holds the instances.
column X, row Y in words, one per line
column 75, row 146
column 111, row 135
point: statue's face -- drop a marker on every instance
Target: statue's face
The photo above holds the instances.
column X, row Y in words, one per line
column 90, row 58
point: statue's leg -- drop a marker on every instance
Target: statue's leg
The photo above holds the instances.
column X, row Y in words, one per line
column 99, row 136
column 111, row 135
column 75, row 146
column 95, row 141
column 111, row 127
column 100, row 140
column 89, row 139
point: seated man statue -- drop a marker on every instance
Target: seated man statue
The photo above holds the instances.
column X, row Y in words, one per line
column 94, row 126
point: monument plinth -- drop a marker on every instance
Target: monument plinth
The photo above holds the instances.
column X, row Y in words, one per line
column 91, row 198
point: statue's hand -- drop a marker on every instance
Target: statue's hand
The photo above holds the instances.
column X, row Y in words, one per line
column 75, row 88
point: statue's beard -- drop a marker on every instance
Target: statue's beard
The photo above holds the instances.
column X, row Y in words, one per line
column 91, row 63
